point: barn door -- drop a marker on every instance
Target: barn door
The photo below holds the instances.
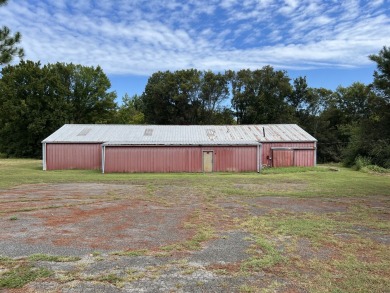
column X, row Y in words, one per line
column 282, row 158
column 207, row 161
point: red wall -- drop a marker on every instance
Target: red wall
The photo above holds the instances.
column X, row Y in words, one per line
column 178, row 158
column 73, row 156
column 235, row 159
column 173, row 158
column 281, row 158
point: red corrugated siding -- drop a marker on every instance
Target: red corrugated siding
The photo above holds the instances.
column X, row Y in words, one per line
column 178, row 159
column 235, row 159
column 283, row 158
column 73, row 156
column 153, row 159
column 170, row 158
column 302, row 158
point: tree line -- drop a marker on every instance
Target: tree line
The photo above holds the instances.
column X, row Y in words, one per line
column 353, row 121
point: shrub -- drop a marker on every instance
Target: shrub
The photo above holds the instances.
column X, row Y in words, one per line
column 361, row 162
column 375, row 168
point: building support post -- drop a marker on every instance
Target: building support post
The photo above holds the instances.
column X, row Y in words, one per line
column 259, row 157
column 103, row 157
column 44, row 167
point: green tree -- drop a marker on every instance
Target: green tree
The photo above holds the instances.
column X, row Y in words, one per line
column 214, row 91
column 314, row 115
column 36, row 100
column 186, row 97
column 300, row 95
column 344, row 110
column 8, row 42
column 130, row 112
column 88, row 95
column 382, row 74
column 261, row 96
column 158, row 98
column 369, row 109
column 30, row 108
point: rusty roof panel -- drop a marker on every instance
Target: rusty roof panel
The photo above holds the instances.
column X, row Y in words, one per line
column 179, row 135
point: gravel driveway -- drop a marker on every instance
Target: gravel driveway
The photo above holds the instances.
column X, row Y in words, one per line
column 133, row 238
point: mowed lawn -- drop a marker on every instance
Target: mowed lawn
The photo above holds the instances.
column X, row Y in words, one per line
column 322, row 229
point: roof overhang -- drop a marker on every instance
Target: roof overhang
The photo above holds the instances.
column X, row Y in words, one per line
column 178, row 143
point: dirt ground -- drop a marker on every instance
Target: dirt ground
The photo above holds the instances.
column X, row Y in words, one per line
column 139, row 238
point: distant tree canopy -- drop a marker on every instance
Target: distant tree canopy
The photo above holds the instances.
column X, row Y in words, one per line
column 8, row 42
column 349, row 122
column 36, row 100
column 186, row 97
column 131, row 111
column 261, row 96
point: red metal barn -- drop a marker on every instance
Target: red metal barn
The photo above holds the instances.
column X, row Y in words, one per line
column 172, row 148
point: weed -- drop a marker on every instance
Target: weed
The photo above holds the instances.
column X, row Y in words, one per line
column 110, row 278
column 53, row 258
column 139, row 252
column 22, row 275
column 268, row 257
column 310, row 227
column 247, row 288
column 203, row 234
column 189, row 271
column 14, row 218
column 133, row 275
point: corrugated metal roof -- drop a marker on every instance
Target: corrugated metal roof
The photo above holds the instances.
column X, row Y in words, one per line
column 179, row 134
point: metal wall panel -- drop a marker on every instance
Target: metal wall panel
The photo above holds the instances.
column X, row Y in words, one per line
column 153, row 159
column 178, row 159
column 235, row 159
column 302, row 158
column 73, row 156
column 282, row 158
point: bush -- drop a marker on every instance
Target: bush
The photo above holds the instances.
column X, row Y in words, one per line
column 375, row 168
column 361, row 162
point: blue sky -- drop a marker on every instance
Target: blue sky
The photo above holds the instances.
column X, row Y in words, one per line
column 326, row 41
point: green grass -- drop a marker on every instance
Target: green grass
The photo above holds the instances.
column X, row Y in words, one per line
column 266, row 258
column 139, row 252
column 53, row 258
column 19, row 276
column 356, row 262
column 110, row 278
column 203, row 234
column 315, row 181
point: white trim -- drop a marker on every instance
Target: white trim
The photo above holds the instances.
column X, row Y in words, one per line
column 260, row 160
column 44, row 167
column 315, row 154
column 103, row 157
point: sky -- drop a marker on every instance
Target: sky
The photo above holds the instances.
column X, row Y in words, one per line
column 327, row 41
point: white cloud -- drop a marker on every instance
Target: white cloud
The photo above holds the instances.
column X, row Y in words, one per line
column 141, row 37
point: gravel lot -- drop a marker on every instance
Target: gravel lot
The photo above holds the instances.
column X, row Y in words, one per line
column 134, row 238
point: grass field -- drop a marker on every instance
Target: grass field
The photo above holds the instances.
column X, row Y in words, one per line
column 302, row 182
column 322, row 229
